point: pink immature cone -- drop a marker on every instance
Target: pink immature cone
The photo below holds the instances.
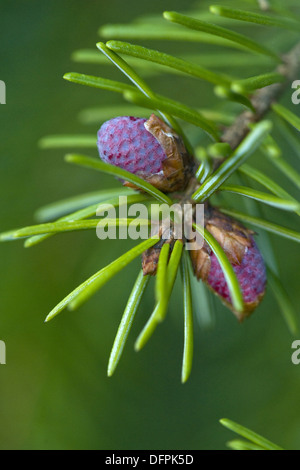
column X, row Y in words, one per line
column 147, row 148
column 125, row 142
column 251, row 274
column 244, row 256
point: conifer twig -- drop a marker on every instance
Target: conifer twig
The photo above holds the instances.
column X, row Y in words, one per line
column 263, row 99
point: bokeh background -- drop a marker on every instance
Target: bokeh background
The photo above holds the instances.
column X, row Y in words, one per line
column 54, row 393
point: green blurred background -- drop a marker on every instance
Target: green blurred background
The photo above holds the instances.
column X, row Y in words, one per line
column 54, row 393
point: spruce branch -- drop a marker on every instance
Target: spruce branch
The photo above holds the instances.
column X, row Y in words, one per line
column 207, row 168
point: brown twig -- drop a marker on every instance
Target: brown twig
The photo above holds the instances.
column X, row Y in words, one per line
column 263, row 99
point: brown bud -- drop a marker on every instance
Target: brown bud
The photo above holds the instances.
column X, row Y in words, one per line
column 233, row 237
column 150, row 257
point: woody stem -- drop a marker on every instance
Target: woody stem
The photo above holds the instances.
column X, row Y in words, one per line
column 262, row 100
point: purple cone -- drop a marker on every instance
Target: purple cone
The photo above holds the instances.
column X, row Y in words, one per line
column 251, row 274
column 125, row 142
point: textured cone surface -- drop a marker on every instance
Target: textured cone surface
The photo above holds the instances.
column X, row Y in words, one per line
column 251, row 274
column 243, row 254
column 125, row 142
